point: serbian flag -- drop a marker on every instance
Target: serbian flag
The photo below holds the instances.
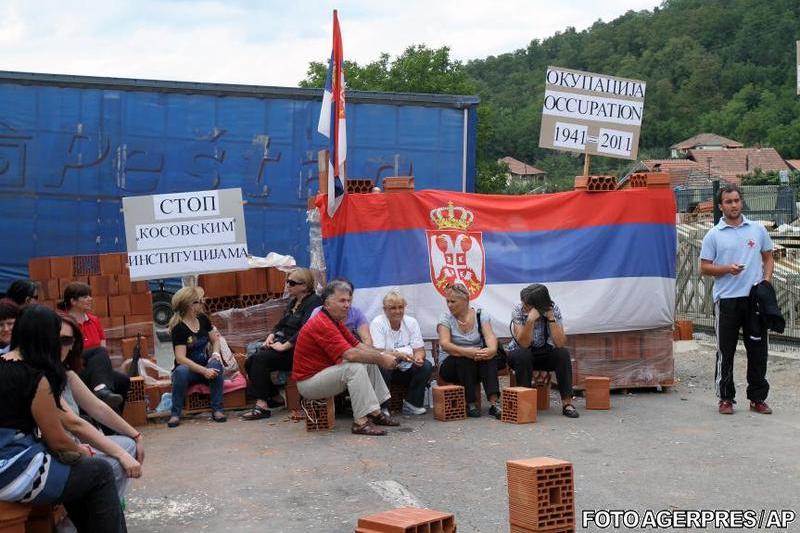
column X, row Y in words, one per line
column 332, row 123
column 608, row 259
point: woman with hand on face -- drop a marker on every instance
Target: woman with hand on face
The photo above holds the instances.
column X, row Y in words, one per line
column 193, row 337
column 468, row 351
column 106, row 383
column 277, row 352
column 124, row 451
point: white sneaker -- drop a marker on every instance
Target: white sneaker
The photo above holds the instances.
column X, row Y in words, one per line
column 411, row 410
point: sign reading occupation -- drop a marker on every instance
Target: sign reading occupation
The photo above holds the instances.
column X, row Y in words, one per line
column 172, row 235
column 591, row 113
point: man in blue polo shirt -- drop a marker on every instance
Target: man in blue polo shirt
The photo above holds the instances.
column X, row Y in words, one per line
column 738, row 253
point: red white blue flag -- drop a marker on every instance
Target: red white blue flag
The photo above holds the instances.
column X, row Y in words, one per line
column 332, row 123
column 607, row 258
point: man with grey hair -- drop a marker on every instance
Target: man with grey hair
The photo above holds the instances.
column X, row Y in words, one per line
column 328, row 360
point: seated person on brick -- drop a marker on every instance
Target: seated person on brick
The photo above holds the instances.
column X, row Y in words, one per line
column 197, row 359
column 328, row 360
column 277, row 351
column 107, row 384
column 356, row 321
column 539, row 343
column 9, row 311
column 395, row 331
column 123, row 451
column 468, row 351
column 41, row 463
column 23, row 292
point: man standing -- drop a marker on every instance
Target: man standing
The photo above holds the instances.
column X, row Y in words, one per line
column 328, row 359
column 738, row 253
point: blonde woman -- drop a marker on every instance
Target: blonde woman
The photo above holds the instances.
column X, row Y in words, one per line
column 394, row 331
column 192, row 336
column 468, row 353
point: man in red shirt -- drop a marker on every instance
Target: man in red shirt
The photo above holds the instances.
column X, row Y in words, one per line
column 328, row 359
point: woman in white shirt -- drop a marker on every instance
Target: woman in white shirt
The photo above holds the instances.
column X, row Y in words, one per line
column 396, row 332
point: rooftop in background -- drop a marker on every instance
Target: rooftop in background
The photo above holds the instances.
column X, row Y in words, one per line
column 678, row 169
column 794, row 164
column 707, row 140
column 518, row 168
column 731, row 165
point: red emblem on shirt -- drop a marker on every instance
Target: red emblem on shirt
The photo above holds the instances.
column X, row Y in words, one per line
column 751, row 243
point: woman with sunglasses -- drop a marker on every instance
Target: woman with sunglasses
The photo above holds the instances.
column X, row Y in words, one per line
column 468, row 350
column 278, row 350
column 23, row 292
column 41, row 464
column 124, row 451
column 193, row 337
column 97, row 372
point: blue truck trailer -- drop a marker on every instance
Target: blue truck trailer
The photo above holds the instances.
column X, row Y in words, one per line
column 71, row 147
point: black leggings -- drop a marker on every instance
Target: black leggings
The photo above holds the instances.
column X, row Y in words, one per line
column 91, row 499
column 524, row 361
column 466, row 372
column 260, row 365
column 97, row 370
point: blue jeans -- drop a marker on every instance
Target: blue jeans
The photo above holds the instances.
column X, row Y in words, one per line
column 183, row 377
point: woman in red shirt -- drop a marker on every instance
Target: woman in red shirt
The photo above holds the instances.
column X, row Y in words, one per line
column 98, row 374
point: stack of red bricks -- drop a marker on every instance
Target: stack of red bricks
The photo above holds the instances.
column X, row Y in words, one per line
column 541, row 495
column 398, row 184
column 407, row 520
column 595, row 183
column 652, row 180
column 233, row 290
column 124, row 307
column 631, row 359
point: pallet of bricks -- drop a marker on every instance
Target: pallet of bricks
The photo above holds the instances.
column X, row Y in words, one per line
column 630, row 359
column 124, row 307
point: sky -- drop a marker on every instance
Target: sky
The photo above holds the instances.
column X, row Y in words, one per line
column 268, row 42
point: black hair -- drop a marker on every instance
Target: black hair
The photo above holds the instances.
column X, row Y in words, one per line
column 73, row 291
column 22, row 289
column 727, row 189
column 8, row 309
column 37, row 336
column 537, row 296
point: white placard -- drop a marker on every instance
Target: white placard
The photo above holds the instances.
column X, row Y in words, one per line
column 170, row 262
column 594, row 108
column 568, row 135
column 614, row 142
column 186, row 205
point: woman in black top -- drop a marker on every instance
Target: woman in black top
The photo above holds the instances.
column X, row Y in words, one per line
column 278, row 349
column 197, row 359
column 54, row 469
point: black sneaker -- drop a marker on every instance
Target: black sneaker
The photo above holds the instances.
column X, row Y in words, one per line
column 496, row 411
column 109, row 398
column 473, row 411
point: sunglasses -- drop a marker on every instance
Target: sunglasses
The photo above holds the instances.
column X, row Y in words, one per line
column 293, row 283
column 197, row 302
column 67, row 341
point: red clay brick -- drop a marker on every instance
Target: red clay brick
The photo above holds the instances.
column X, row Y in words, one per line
column 519, row 405
column 407, row 519
column 120, row 305
column 598, row 392
column 141, row 303
column 139, row 324
column 541, row 494
column 276, row 280
column 39, row 268
column 61, row 267
column 218, row 285
column 123, row 283
column 102, row 285
column 100, row 306
column 49, row 290
column 112, row 264
column 449, row 403
column 320, row 414
column 139, row 287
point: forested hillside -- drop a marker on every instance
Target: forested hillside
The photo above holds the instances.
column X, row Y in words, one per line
column 722, row 66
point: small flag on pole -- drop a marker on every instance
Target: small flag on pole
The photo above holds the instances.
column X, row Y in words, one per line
column 332, row 123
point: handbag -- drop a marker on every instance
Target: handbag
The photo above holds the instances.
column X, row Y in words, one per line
column 501, row 357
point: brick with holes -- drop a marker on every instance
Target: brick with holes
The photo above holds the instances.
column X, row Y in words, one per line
column 541, row 494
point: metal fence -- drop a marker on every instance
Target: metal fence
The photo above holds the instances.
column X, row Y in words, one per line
column 761, row 202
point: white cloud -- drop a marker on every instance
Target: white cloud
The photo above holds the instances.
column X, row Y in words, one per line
column 269, row 42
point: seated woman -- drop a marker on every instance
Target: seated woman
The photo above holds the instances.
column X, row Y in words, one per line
column 468, row 351
column 356, row 321
column 278, row 350
column 54, row 469
column 8, row 314
column 23, row 292
column 192, row 336
column 106, row 383
column 539, row 343
column 123, row 451
column 393, row 331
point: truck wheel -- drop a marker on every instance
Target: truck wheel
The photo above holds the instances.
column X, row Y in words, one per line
column 162, row 309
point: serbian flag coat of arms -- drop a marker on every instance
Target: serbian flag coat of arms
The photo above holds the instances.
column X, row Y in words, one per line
column 608, row 259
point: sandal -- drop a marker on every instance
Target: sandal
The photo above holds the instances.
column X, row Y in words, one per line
column 256, row 413
column 382, row 420
column 219, row 416
column 173, row 422
column 275, row 403
column 367, row 429
column 569, row 411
